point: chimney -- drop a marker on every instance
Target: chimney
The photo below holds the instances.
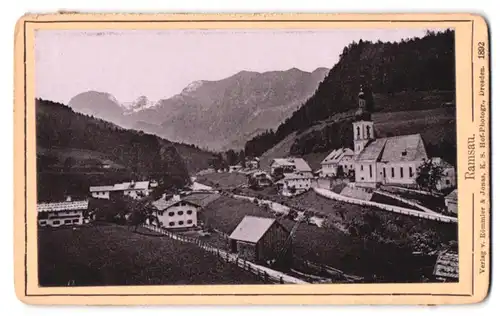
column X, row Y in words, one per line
column 68, row 198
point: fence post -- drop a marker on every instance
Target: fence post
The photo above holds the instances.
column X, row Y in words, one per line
column 281, row 280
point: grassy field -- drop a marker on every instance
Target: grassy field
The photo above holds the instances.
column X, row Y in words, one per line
column 112, row 255
column 382, row 255
column 224, row 180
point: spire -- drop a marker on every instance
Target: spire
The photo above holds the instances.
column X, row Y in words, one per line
column 362, row 113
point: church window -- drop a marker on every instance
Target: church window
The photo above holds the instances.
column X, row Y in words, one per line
column 358, row 131
column 404, row 153
column 401, row 171
column 371, row 175
column 368, row 132
column 361, row 167
column 411, row 171
column 384, row 173
column 392, row 172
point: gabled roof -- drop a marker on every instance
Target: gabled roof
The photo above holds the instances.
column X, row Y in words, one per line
column 404, row 148
column 62, row 206
column 299, row 163
column 336, row 155
column 372, row 151
column 140, row 185
column 294, row 176
column 201, row 199
column 453, row 196
column 394, row 149
column 252, row 228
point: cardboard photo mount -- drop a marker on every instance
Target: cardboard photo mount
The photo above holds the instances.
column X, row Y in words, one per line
column 473, row 166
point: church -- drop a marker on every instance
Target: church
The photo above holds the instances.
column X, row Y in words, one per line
column 387, row 161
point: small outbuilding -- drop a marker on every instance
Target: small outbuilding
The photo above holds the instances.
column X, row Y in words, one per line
column 451, row 201
column 260, row 239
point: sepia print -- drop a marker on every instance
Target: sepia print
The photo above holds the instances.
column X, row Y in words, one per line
column 268, row 159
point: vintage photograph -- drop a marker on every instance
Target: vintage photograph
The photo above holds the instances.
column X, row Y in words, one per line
column 246, row 156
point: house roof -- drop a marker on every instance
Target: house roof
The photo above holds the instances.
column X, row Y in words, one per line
column 140, row 185
column 201, row 199
column 453, row 196
column 252, row 228
column 394, row 149
column 62, row 206
column 293, row 176
column 299, row 163
column 337, row 155
column 196, row 199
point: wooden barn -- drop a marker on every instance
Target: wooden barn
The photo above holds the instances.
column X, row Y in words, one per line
column 261, row 240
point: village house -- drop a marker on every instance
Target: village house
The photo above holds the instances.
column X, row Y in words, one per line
column 294, row 183
column 65, row 213
column 259, row 179
column 388, row 160
column 259, row 239
column 252, row 163
column 451, row 202
column 338, row 162
column 135, row 190
column 180, row 213
column 291, row 165
column 449, row 179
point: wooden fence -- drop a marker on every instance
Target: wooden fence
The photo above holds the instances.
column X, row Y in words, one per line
column 225, row 256
column 396, row 209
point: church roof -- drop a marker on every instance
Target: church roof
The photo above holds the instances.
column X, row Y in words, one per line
column 394, row 149
column 404, row 148
column 372, row 151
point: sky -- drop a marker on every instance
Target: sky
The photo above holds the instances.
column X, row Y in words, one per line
column 159, row 64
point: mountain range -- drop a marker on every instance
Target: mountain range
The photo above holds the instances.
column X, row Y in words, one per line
column 218, row 115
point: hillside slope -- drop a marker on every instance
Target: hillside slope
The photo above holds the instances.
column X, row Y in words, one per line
column 437, row 127
column 72, row 149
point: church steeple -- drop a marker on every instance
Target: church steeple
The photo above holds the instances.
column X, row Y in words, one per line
column 363, row 124
column 362, row 112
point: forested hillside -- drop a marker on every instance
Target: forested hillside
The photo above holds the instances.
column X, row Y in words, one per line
column 75, row 151
column 415, row 74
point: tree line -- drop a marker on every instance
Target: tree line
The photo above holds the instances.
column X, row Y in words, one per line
column 144, row 156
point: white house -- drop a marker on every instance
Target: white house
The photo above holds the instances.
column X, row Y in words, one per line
column 449, row 179
column 133, row 189
column 176, row 213
column 294, row 183
column 338, row 159
column 451, row 202
column 182, row 212
column 61, row 213
column 291, row 165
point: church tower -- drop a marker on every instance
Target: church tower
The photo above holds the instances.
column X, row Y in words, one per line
column 363, row 125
